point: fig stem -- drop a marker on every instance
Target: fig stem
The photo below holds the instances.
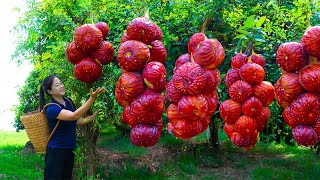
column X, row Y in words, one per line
column 249, row 49
column 91, row 17
column 312, row 60
column 146, row 14
column 204, row 25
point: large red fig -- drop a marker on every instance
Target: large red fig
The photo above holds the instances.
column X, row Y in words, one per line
column 181, row 60
column 212, row 81
column 195, row 41
column 231, row 77
column 212, row 102
column 129, row 86
column 104, row 28
column 173, row 114
column 291, row 57
column 104, row 54
column 187, row 129
column 238, row 60
column 87, row 37
column 240, row 91
column 258, row 59
column 133, row 55
column 229, row 129
column 154, row 75
column 148, row 107
column 287, row 88
column 145, row 135
column 144, row 30
column 240, row 140
column 290, row 120
column 193, row 107
column 230, row 111
column 264, row 92
column 128, row 118
column 305, row 135
column 189, row 78
column 262, row 118
column 309, row 78
column 252, row 107
column 306, row 108
column 205, row 123
column 252, row 73
column 310, row 41
column 124, row 38
column 87, row 70
column 74, row 54
column 158, row 51
column 172, row 93
column 316, row 126
column 245, row 125
column 210, row 54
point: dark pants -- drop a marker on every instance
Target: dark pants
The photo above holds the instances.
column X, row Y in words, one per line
column 58, row 164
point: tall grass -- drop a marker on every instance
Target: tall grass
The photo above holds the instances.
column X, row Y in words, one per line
column 14, row 165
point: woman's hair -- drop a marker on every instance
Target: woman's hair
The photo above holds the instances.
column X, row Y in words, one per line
column 45, row 86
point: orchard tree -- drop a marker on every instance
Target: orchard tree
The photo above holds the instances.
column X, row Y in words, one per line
column 47, row 27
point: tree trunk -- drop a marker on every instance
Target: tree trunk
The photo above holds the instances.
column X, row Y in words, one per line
column 214, row 139
column 89, row 137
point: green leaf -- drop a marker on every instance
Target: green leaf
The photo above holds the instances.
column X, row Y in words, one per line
column 260, row 40
column 261, row 21
column 270, row 3
column 240, row 36
column 242, row 31
column 249, row 23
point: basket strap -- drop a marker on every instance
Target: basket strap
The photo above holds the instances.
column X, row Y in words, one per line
column 54, row 129
column 45, row 106
column 68, row 99
column 56, row 126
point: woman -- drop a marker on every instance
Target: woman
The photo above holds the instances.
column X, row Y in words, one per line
column 59, row 158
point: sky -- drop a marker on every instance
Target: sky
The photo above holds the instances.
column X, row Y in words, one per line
column 11, row 75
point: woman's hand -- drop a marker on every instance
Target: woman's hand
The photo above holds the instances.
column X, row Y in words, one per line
column 67, row 115
column 95, row 94
column 86, row 120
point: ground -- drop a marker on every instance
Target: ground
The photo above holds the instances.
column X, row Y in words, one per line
column 198, row 161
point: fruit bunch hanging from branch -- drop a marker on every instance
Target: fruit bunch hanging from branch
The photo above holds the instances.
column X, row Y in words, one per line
column 89, row 50
column 298, row 89
column 247, row 112
column 192, row 89
column 141, row 57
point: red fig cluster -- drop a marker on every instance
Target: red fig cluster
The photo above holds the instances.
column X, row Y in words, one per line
column 247, row 112
column 141, row 56
column 298, row 89
column 89, row 50
column 192, row 90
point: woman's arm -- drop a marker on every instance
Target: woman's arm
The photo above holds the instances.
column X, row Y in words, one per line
column 71, row 116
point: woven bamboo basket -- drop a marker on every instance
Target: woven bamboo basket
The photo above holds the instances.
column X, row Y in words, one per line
column 37, row 129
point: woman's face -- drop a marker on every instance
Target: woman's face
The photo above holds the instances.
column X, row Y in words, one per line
column 57, row 88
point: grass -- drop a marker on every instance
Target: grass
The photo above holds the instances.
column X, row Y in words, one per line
column 112, row 140
column 172, row 158
column 14, row 165
column 193, row 159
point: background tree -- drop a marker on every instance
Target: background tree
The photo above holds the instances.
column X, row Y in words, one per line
column 47, row 26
